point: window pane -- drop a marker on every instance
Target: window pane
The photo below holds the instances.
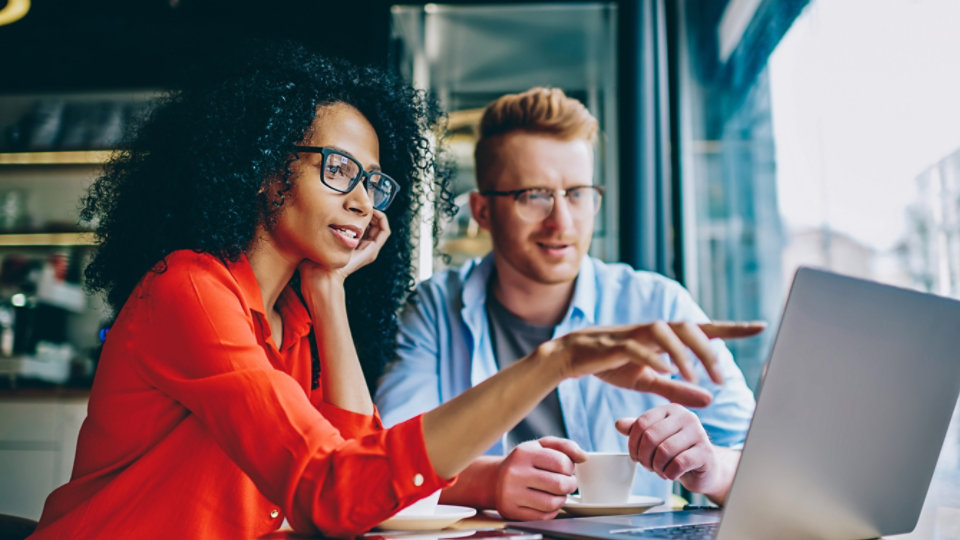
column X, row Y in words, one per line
column 834, row 143
column 840, row 150
column 469, row 55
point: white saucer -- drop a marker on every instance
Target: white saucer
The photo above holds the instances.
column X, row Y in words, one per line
column 441, row 534
column 443, row 516
column 634, row 505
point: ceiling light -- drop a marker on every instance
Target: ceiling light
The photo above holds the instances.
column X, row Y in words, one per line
column 14, row 11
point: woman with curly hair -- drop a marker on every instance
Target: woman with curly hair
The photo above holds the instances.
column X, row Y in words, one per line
column 239, row 241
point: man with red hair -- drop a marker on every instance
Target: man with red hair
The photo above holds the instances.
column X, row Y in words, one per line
column 536, row 197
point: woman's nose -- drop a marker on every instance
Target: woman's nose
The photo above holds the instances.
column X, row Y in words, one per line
column 358, row 200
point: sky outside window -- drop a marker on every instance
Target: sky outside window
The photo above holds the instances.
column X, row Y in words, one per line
column 865, row 97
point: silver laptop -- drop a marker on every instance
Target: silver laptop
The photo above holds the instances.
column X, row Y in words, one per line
column 854, row 406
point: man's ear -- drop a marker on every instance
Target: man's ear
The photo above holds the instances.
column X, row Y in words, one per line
column 480, row 208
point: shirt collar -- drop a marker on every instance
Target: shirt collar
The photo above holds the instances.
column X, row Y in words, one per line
column 475, row 276
column 247, row 280
column 585, row 292
column 296, row 318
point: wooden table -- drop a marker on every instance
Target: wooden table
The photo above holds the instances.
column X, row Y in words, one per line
column 936, row 521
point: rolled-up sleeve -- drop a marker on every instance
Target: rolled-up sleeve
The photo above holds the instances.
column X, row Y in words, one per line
column 728, row 415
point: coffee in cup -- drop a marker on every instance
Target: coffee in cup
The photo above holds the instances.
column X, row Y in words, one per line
column 605, row 477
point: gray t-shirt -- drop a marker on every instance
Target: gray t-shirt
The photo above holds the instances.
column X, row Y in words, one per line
column 512, row 339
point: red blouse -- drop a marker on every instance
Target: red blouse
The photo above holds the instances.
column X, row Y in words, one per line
column 199, row 427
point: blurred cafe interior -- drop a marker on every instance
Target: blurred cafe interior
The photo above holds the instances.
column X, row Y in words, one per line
column 739, row 139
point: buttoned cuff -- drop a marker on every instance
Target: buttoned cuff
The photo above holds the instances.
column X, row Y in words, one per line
column 413, row 474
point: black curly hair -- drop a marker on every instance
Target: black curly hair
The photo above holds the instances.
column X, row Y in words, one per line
column 191, row 177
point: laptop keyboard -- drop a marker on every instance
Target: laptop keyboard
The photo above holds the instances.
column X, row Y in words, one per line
column 681, row 532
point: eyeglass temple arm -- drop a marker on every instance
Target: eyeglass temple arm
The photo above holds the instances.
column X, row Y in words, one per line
column 518, row 192
column 513, row 193
column 302, row 148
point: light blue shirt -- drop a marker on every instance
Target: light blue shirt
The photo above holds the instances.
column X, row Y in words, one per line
column 444, row 348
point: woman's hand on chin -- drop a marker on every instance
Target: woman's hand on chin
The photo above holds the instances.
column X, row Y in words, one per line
column 366, row 252
column 370, row 244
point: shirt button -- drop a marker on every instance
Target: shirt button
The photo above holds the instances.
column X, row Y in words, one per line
column 274, row 513
column 418, row 479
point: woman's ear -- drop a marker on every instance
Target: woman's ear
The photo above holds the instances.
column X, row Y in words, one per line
column 274, row 191
column 480, row 208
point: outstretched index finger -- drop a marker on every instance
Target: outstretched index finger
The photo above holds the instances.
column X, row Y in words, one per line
column 684, row 393
column 732, row 329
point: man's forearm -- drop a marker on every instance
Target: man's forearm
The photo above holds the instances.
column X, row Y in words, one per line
column 460, row 430
column 727, row 461
column 476, row 485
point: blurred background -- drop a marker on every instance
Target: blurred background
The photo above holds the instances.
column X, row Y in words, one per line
column 739, row 139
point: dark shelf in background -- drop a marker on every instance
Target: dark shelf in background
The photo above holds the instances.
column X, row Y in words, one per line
column 55, row 158
column 65, row 45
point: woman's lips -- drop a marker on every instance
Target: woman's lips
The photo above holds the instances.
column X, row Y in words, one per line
column 348, row 235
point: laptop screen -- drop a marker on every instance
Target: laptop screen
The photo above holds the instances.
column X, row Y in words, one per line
column 852, row 412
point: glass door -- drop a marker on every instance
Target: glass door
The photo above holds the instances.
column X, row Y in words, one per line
column 470, row 55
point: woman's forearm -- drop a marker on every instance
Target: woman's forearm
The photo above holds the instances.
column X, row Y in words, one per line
column 463, row 428
column 342, row 378
column 627, row 356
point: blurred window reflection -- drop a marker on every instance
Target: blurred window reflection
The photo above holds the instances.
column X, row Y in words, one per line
column 820, row 133
column 834, row 144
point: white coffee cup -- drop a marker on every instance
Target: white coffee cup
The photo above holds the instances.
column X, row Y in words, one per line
column 605, row 477
column 426, row 506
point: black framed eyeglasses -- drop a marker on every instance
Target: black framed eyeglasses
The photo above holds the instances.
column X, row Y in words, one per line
column 536, row 203
column 342, row 173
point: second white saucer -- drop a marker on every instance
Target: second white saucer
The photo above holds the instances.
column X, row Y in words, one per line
column 634, row 505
